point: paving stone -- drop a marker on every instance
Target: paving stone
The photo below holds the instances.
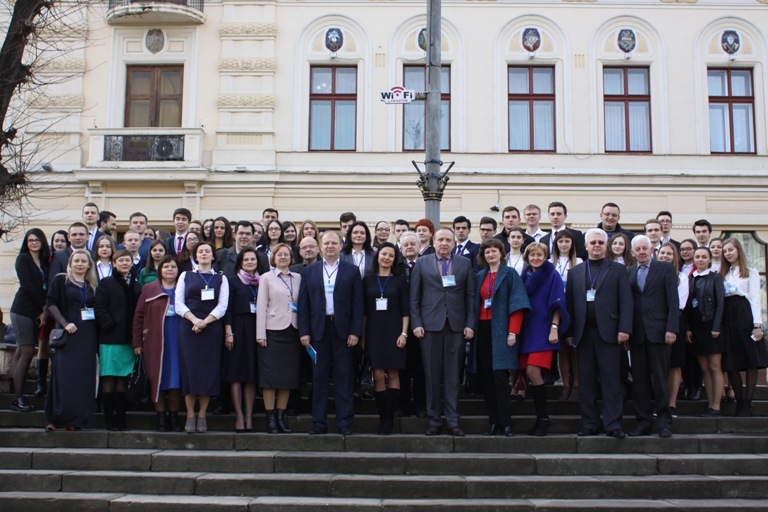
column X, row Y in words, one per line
column 516, row 444
column 16, row 458
column 30, row 480
column 264, row 484
column 744, row 487
column 56, row 501
column 733, row 443
column 293, row 504
column 400, row 443
column 752, row 425
column 167, row 503
column 39, row 438
column 295, row 442
column 468, row 464
column 506, row 505
column 601, row 464
column 401, row 486
column 717, row 505
column 92, row 459
column 715, row 464
column 526, row 487
column 214, row 461
column 131, row 482
column 593, row 505
column 345, row 462
column 644, row 444
column 171, row 440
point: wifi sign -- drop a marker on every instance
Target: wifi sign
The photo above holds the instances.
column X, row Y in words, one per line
column 398, row 95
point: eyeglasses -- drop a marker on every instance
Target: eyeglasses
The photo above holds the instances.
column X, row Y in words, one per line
column 486, row 230
column 307, row 247
column 273, row 229
column 383, row 229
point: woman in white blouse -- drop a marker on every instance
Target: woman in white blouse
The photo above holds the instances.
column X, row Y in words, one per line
column 742, row 321
column 515, row 259
column 668, row 253
column 564, row 258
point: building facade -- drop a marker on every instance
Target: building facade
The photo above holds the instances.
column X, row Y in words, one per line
column 230, row 106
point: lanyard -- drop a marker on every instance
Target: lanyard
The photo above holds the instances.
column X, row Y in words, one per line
column 491, row 279
column 509, row 261
column 357, row 261
column 207, row 282
column 589, row 271
column 83, row 290
column 562, row 267
column 381, row 288
column 329, row 276
column 290, row 288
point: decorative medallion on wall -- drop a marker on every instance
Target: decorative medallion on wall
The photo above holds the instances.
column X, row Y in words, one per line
column 730, row 42
column 334, row 39
column 155, row 40
column 531, row 39
column 422, row 39
column 627, row 40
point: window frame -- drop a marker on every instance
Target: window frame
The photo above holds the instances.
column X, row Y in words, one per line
column 154, row 97
column 333, row 97
column 626, row 98
column 444, row 97
column 531, row 98
column 730, row 100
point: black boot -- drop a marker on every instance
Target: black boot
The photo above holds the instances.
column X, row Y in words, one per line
column 393, row 398
column 381, row 408
column 120, row 406
column 173, row 422
column 161, row 416
column 108, row 406
column 272, row 422
column 42, row 377
column 282, row 423
column 541, row 427
column 744, row 409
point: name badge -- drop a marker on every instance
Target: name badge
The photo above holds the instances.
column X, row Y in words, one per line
column 449, row 281
column 87, row 314
column 253, row 307
column 590, row 295
column 730, row 288
column 487, row 303
column 171, row 311
column 695, row 303
column 207, row 294
column 293, row 307
column 329, row 288
column 381, row 304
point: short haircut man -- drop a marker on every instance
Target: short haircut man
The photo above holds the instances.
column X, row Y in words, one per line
column 487, row 228
column 653, row 232
column 268, row 215
column 108, row 223
column 702, row 230
column 532, row 215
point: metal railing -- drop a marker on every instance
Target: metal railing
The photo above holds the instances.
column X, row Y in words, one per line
column 144, row 148
column 192, row 4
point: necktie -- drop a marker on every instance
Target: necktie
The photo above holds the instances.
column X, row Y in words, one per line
column 179, row 242
column 444, row 264
column 642, row 273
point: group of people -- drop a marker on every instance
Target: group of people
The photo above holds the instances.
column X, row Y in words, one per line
column 220, row 307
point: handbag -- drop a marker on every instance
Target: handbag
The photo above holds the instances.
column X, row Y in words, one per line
column 58, row 338
column 137, row 382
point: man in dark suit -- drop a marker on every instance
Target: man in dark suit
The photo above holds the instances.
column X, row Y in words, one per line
column 78, row 238
column 656, row 316
column 90, row 218
column 464, row 246
column 510, row 218
column 309, row 251
column 558, row 212
column 413, row 398
column 226, row 259
column 331, row 319
column 665, row 218
column 443, row 313
column 181, row 219
column 599, row 301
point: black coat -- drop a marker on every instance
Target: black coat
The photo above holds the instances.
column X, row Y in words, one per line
column 114, row 306
column 30, row 299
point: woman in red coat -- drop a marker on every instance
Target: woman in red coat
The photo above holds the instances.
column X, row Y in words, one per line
column 155, row 333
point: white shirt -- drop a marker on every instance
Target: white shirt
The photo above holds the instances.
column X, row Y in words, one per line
column 537, row 235
column 748, row 287
column 563, row 265
column 329, row 278
column 217, row 312
column 358, row 257
column 552, row 237
column 103, row 269
column 516, row 262
column 682, row 289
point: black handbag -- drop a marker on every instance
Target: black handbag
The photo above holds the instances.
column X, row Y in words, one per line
column 137, row 382
column 58, row 338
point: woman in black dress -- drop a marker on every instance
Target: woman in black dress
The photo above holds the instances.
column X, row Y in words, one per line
column 201, row 299
column 70, row 401
column 668, row 252
column 278, row 338
column 239, row 358
column 386, row 327
column 704, row 312
column 114, row 306
column 28, row 309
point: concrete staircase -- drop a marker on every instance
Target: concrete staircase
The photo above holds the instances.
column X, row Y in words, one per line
column 711, row 464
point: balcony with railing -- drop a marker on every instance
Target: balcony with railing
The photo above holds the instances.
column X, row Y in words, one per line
column 142, row 12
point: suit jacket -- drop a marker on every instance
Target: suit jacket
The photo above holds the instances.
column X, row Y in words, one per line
column 432, row 304
column 470, row 251
column 578, row 241
column 30, row 297
column 96, row 237
column 226, row 260
column 369, row 255
column 613, row 301
column 348, row 303
column 170, row 244
column 504, row 238
column 143, row 248
column 273, row 309
column 656, row 307
column 59, row 263
column 115, row 305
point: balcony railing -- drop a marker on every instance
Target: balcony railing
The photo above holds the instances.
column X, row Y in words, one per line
column 145, row 148
column 137, row 12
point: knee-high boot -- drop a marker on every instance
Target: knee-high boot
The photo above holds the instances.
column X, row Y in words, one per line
column 381, row 408
column 120, row 406
column 541, row 427
column 393, row 399
column 108, row 406
column 42, row 377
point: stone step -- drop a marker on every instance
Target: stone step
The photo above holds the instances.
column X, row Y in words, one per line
column 321, row 485
column 28, row 440
column 86, row 502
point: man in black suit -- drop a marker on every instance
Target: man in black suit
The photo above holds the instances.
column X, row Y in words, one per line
column 558, row 212
column 665, row 218
column 413, row 397
column 181, row 219
column 443, row 313
column 599, row 301
column 331, row 319
column 226, row 259
column 90, row 217
column 510, row 218
column 78, row 238
column 464, row 246
column 656, row 316
column 309, row 251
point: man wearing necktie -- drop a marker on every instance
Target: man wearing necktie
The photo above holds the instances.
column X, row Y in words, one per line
column 655, row 326
column 653, row 232
column 464, row 246
column 181, row 219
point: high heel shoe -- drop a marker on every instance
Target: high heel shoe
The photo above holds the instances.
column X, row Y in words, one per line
column 728, row 396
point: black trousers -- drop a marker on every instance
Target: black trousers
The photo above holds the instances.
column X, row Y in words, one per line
column 650, row 366
column 496, row 388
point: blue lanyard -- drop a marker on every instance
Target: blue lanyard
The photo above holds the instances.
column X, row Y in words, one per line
column 381, row 288
column 589, row 271
column 290, row 288
column 326, row 272
column 83, row 290
column 491, row 279
column 208, row 282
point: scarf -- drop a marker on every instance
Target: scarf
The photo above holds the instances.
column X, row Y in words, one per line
column 246, row 278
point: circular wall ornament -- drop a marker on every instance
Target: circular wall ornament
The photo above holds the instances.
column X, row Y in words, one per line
column 155, row 40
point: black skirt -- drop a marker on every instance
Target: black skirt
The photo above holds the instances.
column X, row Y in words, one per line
column 741, row 352
column 279, row 361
